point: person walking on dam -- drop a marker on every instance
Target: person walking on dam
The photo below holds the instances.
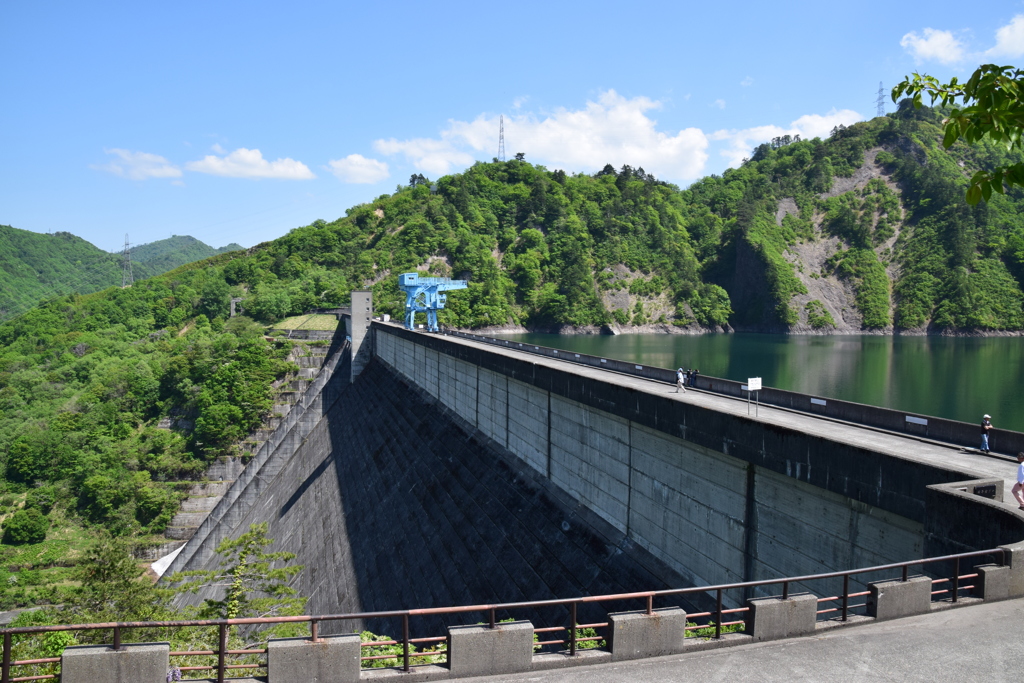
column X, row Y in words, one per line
column 986, row 427
column 1018, row 488
column 680, row 381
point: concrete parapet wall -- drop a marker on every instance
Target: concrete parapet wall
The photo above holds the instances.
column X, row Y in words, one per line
column 133, row 663
column 940, row 429
column 634, row 635
column 483, row 651
column 993, row 582
column 895, row 599
column 333, row 659
column 775, row 618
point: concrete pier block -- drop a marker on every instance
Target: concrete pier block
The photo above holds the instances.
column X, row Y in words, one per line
column 334, row 659
column 895, row 599
column 993, row 582
column 638, row 634
column 775, row 618
column 133, row 663
column 484, row 651
column 1015, row 582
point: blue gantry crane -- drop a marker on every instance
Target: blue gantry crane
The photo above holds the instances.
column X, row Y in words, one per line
column 426, row 294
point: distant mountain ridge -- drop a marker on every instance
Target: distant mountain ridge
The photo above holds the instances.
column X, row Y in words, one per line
column 34, row 266
column 164, row 255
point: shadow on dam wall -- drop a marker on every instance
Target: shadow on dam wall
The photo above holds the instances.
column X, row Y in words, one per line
column 437, row 516
column 391, row 503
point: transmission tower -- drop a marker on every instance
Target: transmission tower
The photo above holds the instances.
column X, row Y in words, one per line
column 501, row 138
column 127, row 279
column 881, row 100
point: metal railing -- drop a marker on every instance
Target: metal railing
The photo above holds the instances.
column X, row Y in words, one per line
column 719, row 616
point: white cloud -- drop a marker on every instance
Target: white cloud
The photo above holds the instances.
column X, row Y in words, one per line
column 249, row 163
column 748, row 81
column 613, row 130
column 1009, row 39
column 518, row 102
column 941, row 46
column 719, row 103
column 355, row 168
column 138, row 165
column 436, row 157
column 742, row 142
column 218, row 149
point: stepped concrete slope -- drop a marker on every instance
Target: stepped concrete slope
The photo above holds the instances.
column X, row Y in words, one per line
column 205, row 495
column 449, row 472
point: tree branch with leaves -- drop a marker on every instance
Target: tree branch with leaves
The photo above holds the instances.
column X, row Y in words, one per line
column 987, row 105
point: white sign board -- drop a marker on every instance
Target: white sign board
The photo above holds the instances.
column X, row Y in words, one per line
column 754, row 384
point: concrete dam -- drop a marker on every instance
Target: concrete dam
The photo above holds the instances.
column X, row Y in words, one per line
column 425, row 470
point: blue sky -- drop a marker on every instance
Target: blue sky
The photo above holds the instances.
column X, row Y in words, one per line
column 236, row 122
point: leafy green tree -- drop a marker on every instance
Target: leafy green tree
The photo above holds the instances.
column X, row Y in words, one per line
column 26, row 526
column 114, row 588
column 254, row 582
column 989, row 105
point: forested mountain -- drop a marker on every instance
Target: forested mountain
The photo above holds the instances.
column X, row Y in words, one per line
column 107, row 399
column 34, row 266
column 164, row 255
column 867, row 230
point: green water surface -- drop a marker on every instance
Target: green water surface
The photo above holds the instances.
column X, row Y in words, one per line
column 956, row 378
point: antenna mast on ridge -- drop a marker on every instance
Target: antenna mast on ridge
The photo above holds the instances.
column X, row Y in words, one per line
column 127, row 279
column 501, row 138
column 881, row 100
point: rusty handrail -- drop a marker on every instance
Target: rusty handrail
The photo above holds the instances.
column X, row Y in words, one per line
column 490, row 609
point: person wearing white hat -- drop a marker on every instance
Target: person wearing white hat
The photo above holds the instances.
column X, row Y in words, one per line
column 986, row 427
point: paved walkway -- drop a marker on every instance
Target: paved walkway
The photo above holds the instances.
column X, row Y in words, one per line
column 976, row 643
column 973, row 465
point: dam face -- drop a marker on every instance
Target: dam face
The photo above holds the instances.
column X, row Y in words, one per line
column 710, row 516
column 447, row 473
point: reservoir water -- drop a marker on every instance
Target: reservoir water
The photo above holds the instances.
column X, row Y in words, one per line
column 960, row 378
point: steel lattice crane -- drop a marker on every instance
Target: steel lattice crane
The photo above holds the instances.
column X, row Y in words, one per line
column 426, row 294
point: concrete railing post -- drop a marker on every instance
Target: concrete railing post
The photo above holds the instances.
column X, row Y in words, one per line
column 993, row 582
column 637, row 634
column 484, row 651
column 1015, row 560
column 895, row 599
column 332, row 659
column 133, row 663
column 774, row 618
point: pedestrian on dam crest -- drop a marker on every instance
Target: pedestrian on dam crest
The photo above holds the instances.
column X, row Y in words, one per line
column 680, row 381
column 986, row 426
column 1018, row 488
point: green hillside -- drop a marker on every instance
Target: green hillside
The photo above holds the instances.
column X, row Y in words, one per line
column 34, row 266
column 108, row 399
column 164, row 255
column 867, row 230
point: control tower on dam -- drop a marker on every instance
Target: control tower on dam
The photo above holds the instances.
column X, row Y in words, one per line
column 441, row 470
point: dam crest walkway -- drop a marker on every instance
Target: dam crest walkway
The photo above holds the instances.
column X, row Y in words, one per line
column 902, row 446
